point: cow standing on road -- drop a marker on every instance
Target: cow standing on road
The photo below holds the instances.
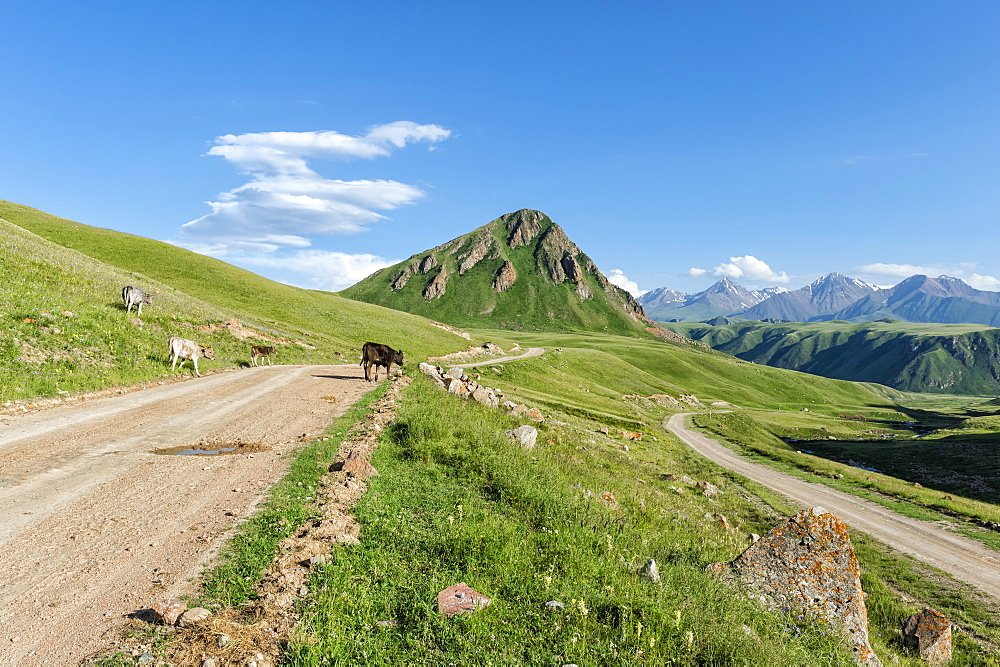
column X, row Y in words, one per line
column 184, row 349
column 133, row 296
column 263, row 351
column 376, row 354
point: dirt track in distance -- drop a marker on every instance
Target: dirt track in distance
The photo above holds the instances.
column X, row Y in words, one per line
column 95, row 526
column 963, row 558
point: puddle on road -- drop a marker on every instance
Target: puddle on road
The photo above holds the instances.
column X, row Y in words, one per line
column 212, row 449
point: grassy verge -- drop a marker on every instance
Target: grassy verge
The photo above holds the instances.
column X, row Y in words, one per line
column 253, row 549
column 457, row 501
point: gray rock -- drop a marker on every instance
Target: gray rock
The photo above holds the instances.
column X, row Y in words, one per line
column 193, row 615
column 485, row 396
column 650, row 572
column 554, row 605
column 526, row 436
column 456, row 372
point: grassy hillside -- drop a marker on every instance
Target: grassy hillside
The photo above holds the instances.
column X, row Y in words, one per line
column 555, row 286
column 63, row 327
column 947, row 358
column 570, row 521
column 573, row 519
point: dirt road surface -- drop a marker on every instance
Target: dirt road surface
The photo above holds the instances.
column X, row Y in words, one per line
column 95, row 526
column 963, row 558
column 532, row 352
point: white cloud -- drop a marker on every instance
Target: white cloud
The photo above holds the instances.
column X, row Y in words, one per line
column 749, row 267
column 320, row 269
column 286, row 202
column 984, row 282
column 695, row 272
column 618, row 277
column 857, row 159
column 900, row 270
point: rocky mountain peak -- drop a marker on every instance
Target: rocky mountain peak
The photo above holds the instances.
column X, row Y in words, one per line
column 522, row 226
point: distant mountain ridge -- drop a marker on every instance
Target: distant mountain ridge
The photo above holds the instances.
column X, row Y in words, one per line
column 829, row 294
column 919, row 298
column 519, row 271
column 725, row 297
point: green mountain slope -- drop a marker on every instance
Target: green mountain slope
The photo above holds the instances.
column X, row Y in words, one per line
column 945, row 358
column 50, row 266
column 520, row 271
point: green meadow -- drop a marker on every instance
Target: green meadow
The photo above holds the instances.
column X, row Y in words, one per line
column 570, row 521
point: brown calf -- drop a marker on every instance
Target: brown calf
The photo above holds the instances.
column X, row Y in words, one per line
column 264, row 351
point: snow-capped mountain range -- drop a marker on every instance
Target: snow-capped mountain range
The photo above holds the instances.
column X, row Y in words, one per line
column 832, row 297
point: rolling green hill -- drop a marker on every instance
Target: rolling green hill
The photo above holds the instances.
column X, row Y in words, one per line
column 568, row 520
column 520, row 271
column 63, row 327
column 944, row 358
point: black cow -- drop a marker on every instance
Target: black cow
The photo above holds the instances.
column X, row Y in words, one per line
column 376, row 354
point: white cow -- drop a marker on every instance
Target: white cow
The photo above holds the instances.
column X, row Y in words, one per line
column 184, row 349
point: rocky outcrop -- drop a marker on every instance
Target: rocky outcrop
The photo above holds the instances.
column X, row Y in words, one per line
column 929, row 633
column 553, row 250
column 437, row 286
column 522, row 226
column 479, row 247
column 583, row 291
column 809, row 565
column 506, row 275
column 429, row 262
column 399, row 282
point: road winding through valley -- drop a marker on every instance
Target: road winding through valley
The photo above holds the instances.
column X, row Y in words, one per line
column 96, row 526
column 964, row 558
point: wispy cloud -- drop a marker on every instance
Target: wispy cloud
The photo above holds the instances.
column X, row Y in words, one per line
column 857, row 159
column 285, row 202
column 900, row 270
column 749, row 267
column 272, row 218
column 618, row 277
column 321, row 269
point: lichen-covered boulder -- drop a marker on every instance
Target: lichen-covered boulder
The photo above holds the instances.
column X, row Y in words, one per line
column 809, row 564
column 929, row 633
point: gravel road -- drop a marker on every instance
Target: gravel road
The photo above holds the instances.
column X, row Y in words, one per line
column 532, row 352
column 96, row 526
column 965, row 559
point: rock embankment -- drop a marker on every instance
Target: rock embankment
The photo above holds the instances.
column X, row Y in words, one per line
column 456, row 382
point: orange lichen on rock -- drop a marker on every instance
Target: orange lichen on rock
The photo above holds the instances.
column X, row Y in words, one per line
column 809, row 564
column 929, row 633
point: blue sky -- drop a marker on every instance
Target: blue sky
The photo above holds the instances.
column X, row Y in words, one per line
column 676, row 142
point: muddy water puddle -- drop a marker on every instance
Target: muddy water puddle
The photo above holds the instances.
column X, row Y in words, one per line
column 212, row 449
